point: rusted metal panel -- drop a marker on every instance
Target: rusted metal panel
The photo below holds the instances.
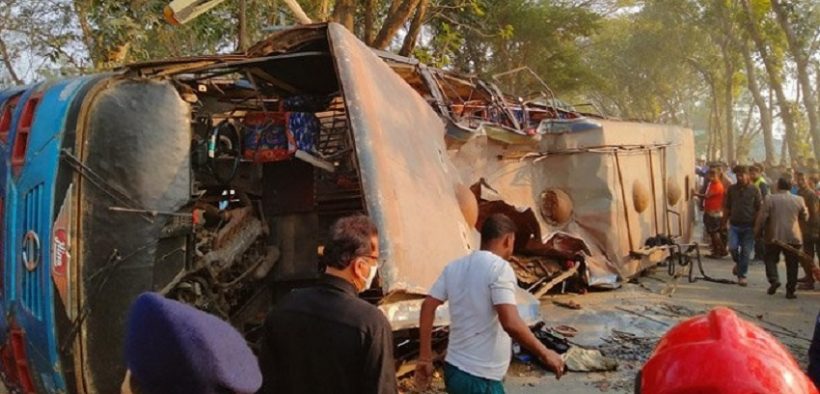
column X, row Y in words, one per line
column 290, row 40
column 408, row 179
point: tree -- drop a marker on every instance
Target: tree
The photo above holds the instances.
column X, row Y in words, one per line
column 751, row 22
column 724, row 38
column 37, row 37
column 659, row 63
column 759, row 100
column 493, row 36
column 797, row 47
column 8, row 63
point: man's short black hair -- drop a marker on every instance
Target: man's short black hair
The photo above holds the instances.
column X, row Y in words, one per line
column 497, row 226
column 349, row 237
column 784, row 183
column 741, row 169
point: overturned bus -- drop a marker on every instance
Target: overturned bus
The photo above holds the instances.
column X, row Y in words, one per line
column 617, row 195
column 213, row 179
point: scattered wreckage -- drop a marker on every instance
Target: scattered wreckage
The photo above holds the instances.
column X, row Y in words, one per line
column 212, row 179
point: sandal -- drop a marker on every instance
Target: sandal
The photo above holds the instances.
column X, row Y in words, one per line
column 567, row 331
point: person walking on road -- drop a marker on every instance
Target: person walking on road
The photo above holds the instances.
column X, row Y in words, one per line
column 480, row 289
column 713, row 213
column 780, row 214
column 741, row 207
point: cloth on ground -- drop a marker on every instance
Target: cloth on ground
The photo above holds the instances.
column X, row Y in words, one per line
column 588, row 360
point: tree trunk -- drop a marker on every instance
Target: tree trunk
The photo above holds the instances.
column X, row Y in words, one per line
column 344, row 12
column 394, row 6
column 298, row 12
column 324, row 10
column 802, row 62
column 393, row 22
column 784, row 152
column 242, row 34
column 745, row 137
column 81, row 8
column 415, row 28
column 817, row 87
column 774, row 79
column 369, row 16
column 273, row 18
column 728, row 104
column 4, row 52
column 711, row 146
column 716, row 124
column 754, row 88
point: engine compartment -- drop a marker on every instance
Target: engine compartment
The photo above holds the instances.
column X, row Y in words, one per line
column 272, row 167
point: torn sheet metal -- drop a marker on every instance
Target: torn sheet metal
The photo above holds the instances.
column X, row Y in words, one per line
column 405, row 314
column 599, row 171
column 540, row 262
column 409, row 182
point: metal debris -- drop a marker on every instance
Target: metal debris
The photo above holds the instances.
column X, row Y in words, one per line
column 568, row 304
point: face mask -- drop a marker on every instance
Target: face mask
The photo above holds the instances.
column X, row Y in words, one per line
column 370, row 276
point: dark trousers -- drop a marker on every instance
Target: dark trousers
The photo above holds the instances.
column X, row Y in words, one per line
column 812, row 248
column 814, row 354
column 760, row 249
column 717, row 234
column 792, row 266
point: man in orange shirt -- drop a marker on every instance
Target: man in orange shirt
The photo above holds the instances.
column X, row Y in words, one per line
column 713, row 213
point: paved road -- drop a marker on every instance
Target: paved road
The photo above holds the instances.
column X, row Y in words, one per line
column 664, row 301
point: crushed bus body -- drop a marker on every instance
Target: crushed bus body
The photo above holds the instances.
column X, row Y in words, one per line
column 213, row 179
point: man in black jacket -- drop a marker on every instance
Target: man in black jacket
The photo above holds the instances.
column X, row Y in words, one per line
column 325, row 339
column 741, row 206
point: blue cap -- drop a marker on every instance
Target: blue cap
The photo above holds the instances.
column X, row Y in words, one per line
column 172, row 347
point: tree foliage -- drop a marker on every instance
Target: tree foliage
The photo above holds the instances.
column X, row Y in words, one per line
column 739, row 70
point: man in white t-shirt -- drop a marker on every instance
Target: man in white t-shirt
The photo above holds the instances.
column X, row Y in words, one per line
column 480, row 289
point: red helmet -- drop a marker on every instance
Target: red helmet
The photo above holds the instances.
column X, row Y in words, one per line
column 721, row 353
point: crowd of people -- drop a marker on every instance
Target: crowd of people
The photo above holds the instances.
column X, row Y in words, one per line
column 755, row 212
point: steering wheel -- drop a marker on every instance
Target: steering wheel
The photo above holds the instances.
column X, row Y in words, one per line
column 224, row 151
